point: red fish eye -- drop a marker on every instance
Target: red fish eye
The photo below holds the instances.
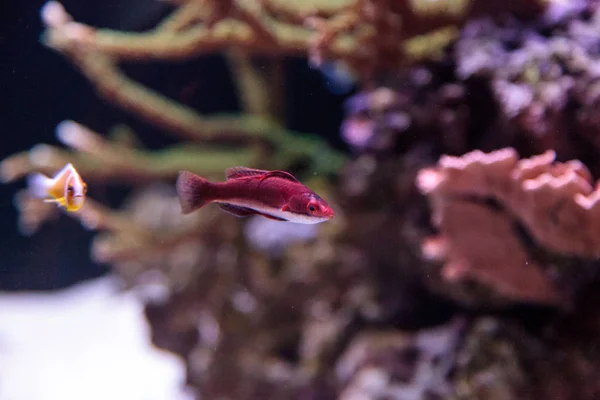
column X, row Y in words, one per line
column 311, row 208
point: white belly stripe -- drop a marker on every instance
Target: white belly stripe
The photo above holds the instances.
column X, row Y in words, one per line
column 275, row 212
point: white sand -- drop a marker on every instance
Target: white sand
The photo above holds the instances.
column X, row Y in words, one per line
column 87, row 342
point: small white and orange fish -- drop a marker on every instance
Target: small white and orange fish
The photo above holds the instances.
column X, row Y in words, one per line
column 67, row 189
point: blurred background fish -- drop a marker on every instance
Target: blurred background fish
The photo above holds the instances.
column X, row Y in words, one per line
column 66, row 188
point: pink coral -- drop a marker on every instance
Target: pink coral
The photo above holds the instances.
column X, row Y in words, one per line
column 555, row 202
column 498, row 259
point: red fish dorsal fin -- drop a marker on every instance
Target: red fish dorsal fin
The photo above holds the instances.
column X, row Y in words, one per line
column 238, row 172
column 280, row 174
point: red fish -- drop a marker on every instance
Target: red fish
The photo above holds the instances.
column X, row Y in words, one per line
column 272, row 194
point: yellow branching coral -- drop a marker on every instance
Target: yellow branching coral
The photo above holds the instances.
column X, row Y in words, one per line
column 98, row 62
column 368, row 35
column 98, row 158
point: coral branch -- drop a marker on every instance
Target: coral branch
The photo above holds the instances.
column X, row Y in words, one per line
column 100, row 159
column 191, row 42
column 158, row 109
column 33, row 213
column 367, row 35
column 186, row 123
column 114, row 86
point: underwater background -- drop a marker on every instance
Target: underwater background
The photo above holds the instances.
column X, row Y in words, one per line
column 456, row 140
column 45, row 90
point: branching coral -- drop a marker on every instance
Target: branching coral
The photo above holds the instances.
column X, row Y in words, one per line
column 368, row 35
column 100, row 67
column 100, row 159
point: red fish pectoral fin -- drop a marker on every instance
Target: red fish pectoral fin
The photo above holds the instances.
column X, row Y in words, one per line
column 236, row 210
column 285, row 208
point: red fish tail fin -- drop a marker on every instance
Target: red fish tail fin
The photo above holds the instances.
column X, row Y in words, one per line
column 192, row 191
